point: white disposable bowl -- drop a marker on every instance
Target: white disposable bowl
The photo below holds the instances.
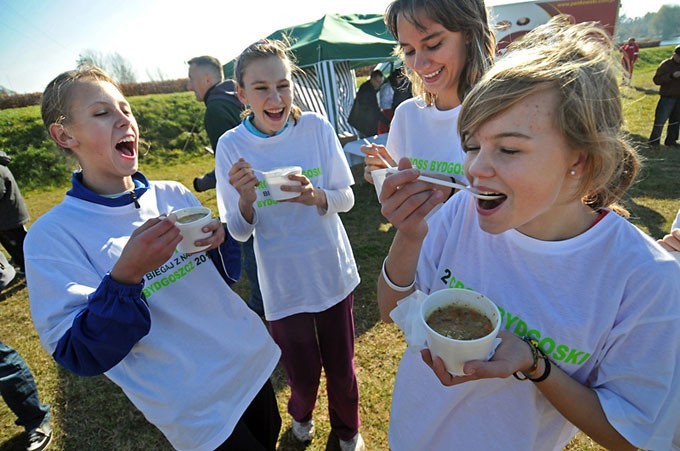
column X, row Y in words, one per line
column 276, row 178
column 453, row 352
column 378, row 179
column 192, row 231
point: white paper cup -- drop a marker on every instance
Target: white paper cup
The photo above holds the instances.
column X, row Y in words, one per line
column 191, row 222
column 453, row 352
column 276, row 178
column 378, row 179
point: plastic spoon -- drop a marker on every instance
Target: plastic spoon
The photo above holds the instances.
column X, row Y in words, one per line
column 436, row 181
column 368, row 143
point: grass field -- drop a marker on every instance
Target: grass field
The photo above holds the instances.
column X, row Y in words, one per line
column 93, row 414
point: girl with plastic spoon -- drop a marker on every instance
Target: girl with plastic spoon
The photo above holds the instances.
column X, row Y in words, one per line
column 110, row 293
column 446, row 46
column 305, row 264
column 590, row 326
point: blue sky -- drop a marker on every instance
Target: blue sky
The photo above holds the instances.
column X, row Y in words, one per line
column 41, row 38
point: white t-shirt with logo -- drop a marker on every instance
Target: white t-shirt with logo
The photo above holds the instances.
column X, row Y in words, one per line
column 207, row 354
column 428, row 137
column 602, row 306
column 304, row 258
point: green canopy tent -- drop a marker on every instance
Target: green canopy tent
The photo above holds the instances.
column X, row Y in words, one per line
column 328, row 50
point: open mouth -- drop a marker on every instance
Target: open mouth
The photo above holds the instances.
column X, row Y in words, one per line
column 126, row 146
column 433, row 74
column 275, row 115
column 490, row 204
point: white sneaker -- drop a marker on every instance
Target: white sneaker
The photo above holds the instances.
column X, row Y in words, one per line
column 304, row 432
column 354, row 444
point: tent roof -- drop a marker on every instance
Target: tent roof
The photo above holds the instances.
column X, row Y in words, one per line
column 361, row 39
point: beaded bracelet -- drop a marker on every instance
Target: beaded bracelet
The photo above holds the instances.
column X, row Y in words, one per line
column 393, row 285
column 546, row 372
column 536, row 353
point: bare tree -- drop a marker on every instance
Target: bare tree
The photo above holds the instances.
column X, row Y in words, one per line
column 156, row 75
column 6, row 91
column 120, row 68
column 90, row 57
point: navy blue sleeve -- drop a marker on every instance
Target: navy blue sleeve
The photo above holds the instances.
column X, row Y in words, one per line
column 227, row 258
column 104, row 332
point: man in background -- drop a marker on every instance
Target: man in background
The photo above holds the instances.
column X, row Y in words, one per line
column 630, row 52
column 366, row 114
column 222, row 106
column 667, row 77
column 13, row 215
column 222, row 112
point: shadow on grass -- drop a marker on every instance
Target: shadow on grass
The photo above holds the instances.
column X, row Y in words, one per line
column 17, row 284
column 371, row 236
column 642, row 215
column 646, row 90
column 658, row 174
column 95, row 414
column 16, row 443
column 288, row 443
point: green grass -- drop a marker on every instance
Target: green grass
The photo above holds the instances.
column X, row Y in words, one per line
column 92, row 413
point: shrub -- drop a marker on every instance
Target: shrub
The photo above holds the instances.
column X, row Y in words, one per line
column 129, row 89
column 171, row 128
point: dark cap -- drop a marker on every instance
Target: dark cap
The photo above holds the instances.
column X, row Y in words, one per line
column 677, row 49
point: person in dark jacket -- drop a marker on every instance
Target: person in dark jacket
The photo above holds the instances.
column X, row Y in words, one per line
column 366, row 114
column 667, row 76
column 222, row 106
column 401, row 86
column 13, row 214
column 222, row 112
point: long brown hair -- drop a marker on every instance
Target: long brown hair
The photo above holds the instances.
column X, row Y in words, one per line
column 469, row 17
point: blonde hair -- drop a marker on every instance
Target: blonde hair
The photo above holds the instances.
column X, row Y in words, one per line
column 265, row 48
column 55, row 100
column 469, row 17
column 575, row 62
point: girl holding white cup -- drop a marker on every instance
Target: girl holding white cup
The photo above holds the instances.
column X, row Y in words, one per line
column 305, row 264
column 590, row 325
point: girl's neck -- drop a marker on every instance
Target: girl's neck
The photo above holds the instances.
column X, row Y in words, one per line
column 257, row 131
column 562, row 223
column 447, row 102
column 108, row 187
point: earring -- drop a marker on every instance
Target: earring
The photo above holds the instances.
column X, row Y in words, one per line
column 572, row 172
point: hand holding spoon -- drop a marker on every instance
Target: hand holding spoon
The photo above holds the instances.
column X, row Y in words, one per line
column 436, row 181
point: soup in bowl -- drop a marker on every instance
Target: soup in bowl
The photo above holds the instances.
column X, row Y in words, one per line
column 191, row 221
column 461, row 325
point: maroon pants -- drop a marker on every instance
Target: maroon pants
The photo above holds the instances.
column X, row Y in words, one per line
column 309, row 341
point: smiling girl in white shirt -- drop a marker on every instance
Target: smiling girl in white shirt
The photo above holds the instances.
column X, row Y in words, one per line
column 586, row 297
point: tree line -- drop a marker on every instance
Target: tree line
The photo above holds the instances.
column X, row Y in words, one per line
column 659, row 26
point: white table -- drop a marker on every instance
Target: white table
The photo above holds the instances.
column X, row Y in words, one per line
column 353, row 151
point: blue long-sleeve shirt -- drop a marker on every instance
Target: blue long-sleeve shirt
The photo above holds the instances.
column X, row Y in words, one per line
column 116, row 316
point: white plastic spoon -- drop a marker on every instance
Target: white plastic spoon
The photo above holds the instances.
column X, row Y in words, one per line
column 368, row 143
column 436, row 181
